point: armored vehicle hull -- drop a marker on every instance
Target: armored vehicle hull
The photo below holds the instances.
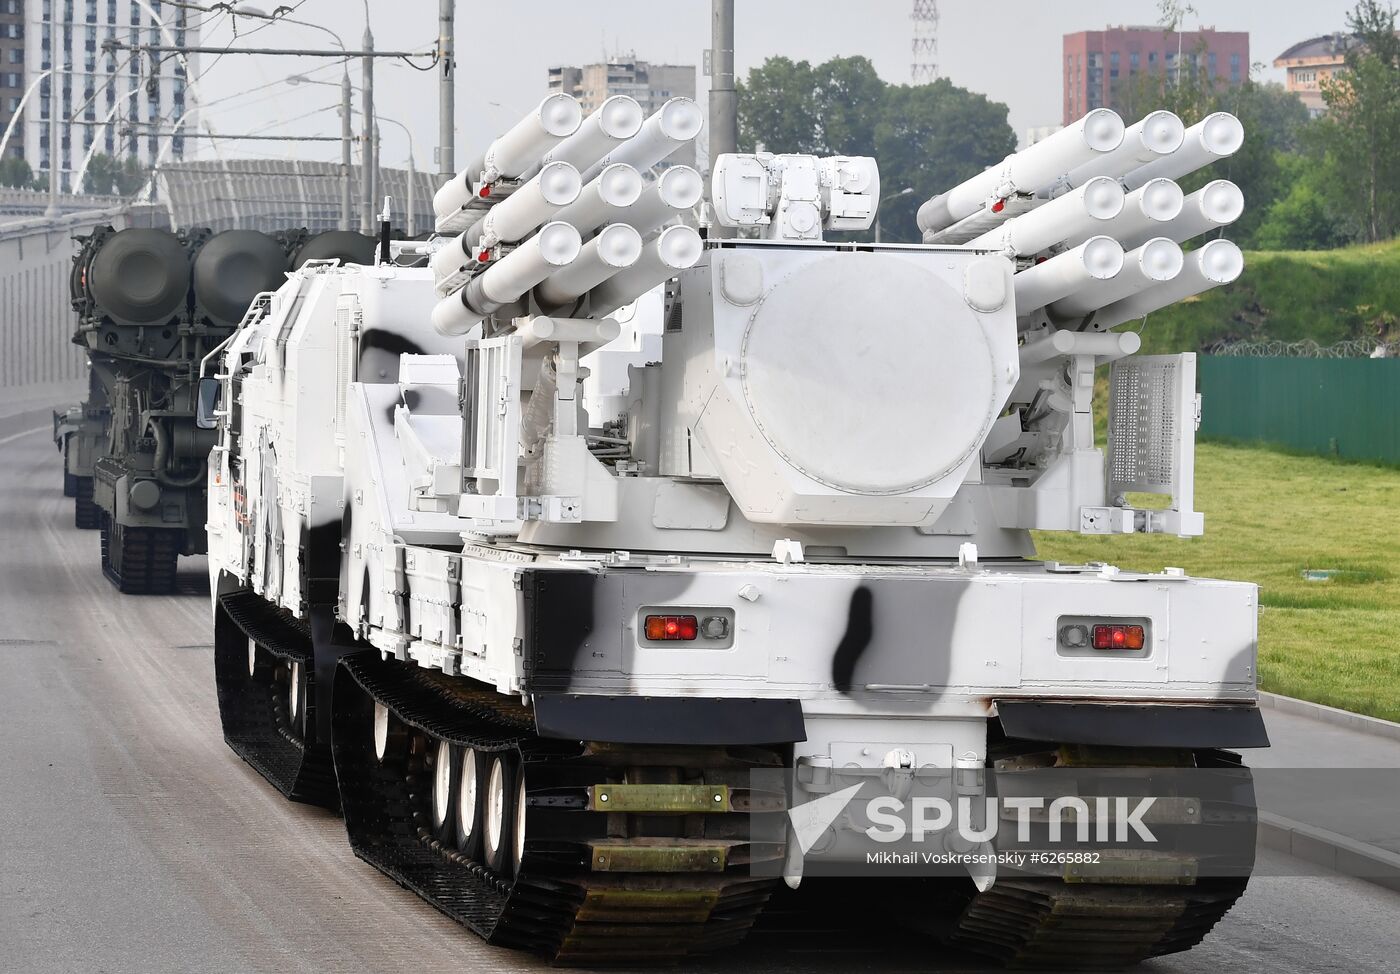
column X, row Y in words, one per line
column 609, row 587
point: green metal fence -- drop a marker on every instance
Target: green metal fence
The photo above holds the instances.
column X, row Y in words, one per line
column 1346, row 408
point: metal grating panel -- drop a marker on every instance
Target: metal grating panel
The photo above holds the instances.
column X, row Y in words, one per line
column 495, row 411
column 1146, row 421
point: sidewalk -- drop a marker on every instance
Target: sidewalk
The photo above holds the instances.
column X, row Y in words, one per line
column 1328, row 791
column 23, row 408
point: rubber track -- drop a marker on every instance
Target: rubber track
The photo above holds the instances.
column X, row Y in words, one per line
column 1049, row 924
column 86, row 514
column 148, row 558
column 1046, row 923
column 253, row 711
column 561, row 910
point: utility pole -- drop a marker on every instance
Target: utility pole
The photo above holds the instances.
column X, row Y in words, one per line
column 55, row 101
column 367, row 159
column 724, row 100
column 447, row 79
column 347, row 162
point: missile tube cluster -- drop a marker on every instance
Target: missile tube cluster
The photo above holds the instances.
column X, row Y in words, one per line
column 570, row 212
column 1102, row 238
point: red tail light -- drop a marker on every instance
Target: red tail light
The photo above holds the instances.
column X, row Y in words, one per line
column 1118, row 637
column 662, row 628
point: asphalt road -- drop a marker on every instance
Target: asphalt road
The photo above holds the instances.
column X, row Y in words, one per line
column 132, row 839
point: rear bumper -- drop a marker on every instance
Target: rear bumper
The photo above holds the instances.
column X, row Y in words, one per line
column 1133, row 725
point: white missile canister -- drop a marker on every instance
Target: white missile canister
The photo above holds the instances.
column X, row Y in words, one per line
column 1217, row 136
column 618, row 119
column 1216, row 204
column 1156, row 135
column 1076, row 215
column 1096, row 259
column 675, row 191
column 555, row 246
column 1147, row 211
column 556, row 185
column 663, row 257
column 616, row 247
column 1155, row 262
column 669, row 127
column 1216, row 263
column 1028, row 171
column 605, row 199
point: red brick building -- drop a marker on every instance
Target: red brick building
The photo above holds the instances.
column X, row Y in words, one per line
column 1099, row 63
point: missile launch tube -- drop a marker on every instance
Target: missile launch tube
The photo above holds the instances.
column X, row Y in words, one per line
column 1217, row 262
column 663, row 256
column 616, row 247
column 1214, row 205
column 554, row 186
column 553, row 120
column 1027, row 171
column 1155, row 262
column 669, row 127
column 675, row 191
column 1147, row 211
column 1096, row 259
column 1077, row 214
column 1216, row 136
column 606, row 197
column 453, row 194
column 555, row 246
column 616, row 120
column 1156, row 135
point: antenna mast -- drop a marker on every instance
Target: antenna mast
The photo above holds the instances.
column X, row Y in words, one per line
column 923, row 67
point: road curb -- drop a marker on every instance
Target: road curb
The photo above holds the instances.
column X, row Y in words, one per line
column 1335, row 851
column 1330, row 715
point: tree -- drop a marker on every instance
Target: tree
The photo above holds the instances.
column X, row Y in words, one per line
column 926, row 137
column 106, row 176
column 930, row 138
column 1360, row 135
column 15, row 172
column 1302, row 218
column 778, row 108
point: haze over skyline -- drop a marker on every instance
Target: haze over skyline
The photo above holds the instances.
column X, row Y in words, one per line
column 1007, row 49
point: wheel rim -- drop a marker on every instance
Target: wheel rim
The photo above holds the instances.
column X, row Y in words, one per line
column 252, row 656
column 496, row 806
column 467, row 796
column 518, row 845
column 381, row 730
column 442, row 783
column 294, row 691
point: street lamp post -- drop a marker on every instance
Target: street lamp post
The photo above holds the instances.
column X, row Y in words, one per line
column 367, row 155
column 410, row 219
column 893, row 196
column 54, row 102
column 347, row 133
column 347, row 138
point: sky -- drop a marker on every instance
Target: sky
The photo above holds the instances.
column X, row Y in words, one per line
column 1007, row 49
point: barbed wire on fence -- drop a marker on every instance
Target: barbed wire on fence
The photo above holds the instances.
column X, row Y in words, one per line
column 1307, row 348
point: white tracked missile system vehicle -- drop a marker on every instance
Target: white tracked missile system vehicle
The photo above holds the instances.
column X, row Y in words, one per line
column 532, row 543
column 152, row 305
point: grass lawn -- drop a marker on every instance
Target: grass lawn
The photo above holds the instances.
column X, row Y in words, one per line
column 1269, row 517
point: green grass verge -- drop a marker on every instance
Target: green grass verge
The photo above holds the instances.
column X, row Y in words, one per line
column 1325, row 295
column 1270, row 517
